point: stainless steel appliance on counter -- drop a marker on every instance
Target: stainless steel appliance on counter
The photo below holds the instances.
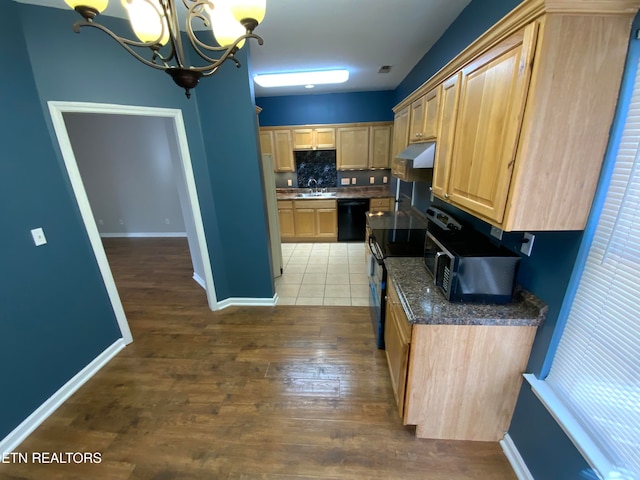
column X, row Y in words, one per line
column 388, row 241
column 465, row 265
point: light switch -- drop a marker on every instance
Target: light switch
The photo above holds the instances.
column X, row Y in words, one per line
column 353, row 181
column 289, row 182
column 38, row 236
column 385, row 179
column 372, row 180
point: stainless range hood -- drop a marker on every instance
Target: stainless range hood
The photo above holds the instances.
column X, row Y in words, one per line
column 422, row 154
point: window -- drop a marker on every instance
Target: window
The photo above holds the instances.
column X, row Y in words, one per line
column 593, row 387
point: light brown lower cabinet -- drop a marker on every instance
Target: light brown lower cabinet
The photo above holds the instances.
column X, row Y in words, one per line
column 308, row 220
column 285, row 216
column 455, row 382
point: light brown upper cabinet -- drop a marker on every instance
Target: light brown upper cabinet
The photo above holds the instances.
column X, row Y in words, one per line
column 363, row 147
column 400, row 131
column 492, row 97
column 380, row 146
column 522, row 148
column 278, row 144
column 423, row 123
column 352, row 148
column 444, row 147
column 314, row 138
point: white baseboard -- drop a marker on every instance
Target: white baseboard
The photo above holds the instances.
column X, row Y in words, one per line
column 248, row 302
column 33, row 421
column 515, row 459
column 145, row 235
column 199, row 280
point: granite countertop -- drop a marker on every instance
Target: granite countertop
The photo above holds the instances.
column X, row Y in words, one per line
column 399, row 219
column 350, row 192
column 425, row 304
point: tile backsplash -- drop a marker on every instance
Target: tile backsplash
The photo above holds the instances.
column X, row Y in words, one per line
column 319, row 165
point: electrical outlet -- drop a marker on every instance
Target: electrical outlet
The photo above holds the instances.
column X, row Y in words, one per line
column 100, row 222
column 353, row 181
column 372, row 180
column 385, row 179
column 527, row 243
column 166, row 221
column 121, row 222
column 345, row 181
column 496, row 232
column 289, row 182
column 38, row 236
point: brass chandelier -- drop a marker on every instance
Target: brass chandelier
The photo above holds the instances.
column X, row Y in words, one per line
column 156, row 24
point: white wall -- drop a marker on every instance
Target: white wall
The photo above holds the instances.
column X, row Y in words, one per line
column 126, row 166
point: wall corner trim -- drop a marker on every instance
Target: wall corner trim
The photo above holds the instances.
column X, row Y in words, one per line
column 515, row 459
column 44, row 411
column 248, row 302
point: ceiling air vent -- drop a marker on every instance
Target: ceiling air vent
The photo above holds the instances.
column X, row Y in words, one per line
column 384, row 69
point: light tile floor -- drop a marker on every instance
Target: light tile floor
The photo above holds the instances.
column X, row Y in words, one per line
column 323, row 274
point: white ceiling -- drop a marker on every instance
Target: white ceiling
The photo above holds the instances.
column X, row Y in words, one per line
column 359, row 35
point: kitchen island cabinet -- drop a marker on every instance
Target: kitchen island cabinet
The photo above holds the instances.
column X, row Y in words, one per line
column 456, row 369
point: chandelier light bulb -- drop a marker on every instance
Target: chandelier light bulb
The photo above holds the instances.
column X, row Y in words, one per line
column 226, row 28
column 147, row 20
column 97, row 5
column 248, row 9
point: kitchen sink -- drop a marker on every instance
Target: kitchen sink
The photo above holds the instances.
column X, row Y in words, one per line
column 317, row 195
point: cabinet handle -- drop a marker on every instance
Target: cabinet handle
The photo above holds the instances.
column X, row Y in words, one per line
column 446, row 195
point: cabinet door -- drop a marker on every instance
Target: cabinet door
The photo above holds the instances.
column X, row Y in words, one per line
column 353, row 148
column 266, row 142
column 444, row 146
column 416, row 121
column 492, row 96
column 283, row 151
column 397, row 352
column 302, row 138
column 430, row 124
column 285, row 215
column 327, row 223
column 380, row 146
column 305, row 222
column 400, row 131
column 324, row 138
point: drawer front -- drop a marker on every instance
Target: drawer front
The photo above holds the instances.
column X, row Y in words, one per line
column 380, row 204
column 312, row 203
column 285, row 204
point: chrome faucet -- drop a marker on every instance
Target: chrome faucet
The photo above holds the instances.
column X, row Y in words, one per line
column 309, row 185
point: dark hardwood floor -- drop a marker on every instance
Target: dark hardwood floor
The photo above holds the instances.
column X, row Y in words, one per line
column 264, row 393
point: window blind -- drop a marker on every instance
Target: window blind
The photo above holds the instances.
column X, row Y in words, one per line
column 596, row 370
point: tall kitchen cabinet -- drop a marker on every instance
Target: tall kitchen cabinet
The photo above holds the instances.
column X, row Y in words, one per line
column 525, row 113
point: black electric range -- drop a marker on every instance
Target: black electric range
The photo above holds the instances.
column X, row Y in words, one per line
column 383, row 243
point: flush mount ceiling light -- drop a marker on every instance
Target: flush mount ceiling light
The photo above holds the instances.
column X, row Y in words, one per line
column 301, row 78
column 156, row 24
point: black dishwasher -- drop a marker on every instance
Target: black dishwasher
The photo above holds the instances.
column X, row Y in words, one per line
column 351, row 219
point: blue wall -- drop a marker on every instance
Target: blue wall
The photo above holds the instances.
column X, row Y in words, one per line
column 55, row 315
column 232, row 145
column 97, row 70
column 472, row 22
column 326, row 108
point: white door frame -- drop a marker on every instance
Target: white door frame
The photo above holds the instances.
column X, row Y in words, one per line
column 57, row 109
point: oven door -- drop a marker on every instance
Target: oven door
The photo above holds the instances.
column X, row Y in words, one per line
column 377, row 291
